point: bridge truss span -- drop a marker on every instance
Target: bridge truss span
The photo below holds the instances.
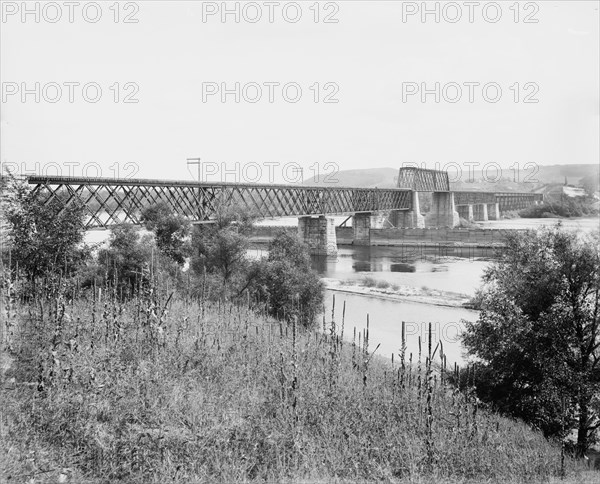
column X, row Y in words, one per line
column 111, row 201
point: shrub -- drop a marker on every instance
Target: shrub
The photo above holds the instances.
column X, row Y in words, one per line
column 46, row 236
column 221, row 247
column 170, row 230
column 369, row 281
column 286, row 283
column 568, row 207
column 126, row 264
column 537, row 334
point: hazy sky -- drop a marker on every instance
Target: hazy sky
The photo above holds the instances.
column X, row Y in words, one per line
column 367, row 61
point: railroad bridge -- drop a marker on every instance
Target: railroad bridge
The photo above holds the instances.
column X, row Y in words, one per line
column 111, row 201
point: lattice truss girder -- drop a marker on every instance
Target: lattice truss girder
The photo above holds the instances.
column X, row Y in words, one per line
column 517, row 201
column 507, row 201
column 422, row 180
column 474, row 198
column 108, row 202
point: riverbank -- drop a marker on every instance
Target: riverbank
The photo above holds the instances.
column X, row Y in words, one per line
column 242, row 398
column 394, row 292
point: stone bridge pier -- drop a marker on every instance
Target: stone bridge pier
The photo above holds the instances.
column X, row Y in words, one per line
column 318, row 233
column 480, row 212
column 465, row 212
column 443, row 211
column 362, row 223
column 493, row 210
column 412, row 219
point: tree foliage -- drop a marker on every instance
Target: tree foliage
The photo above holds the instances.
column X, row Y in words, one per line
column 127, row 261
column 568, row 207
column 170, row 230
column 537, row 338
column 221, row 247
column 44, row 236
column 286, row 282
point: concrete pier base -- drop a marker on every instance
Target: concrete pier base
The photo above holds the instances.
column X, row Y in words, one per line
column 361, row 225
column 493, row 210
column 480, row 212
column 412, row 219
column 465, row 212
column 407, row 219
column 319, row 234
column 443, row 212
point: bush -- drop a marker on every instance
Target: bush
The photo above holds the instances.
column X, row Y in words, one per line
column 126, row 264
column 369, row 281
column 221, row 247
column 170, row 230
column 46, row 236
column 286, row 283
column 569, row 207
column 537, row 335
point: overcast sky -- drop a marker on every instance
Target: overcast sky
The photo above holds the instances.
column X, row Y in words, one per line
column 373, row 56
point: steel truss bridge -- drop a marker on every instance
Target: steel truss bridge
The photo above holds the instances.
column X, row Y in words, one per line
column 423, row 180
column 112, row 201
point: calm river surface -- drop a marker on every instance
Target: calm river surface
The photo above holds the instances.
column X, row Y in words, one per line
column 385, row 323
column 454, row 274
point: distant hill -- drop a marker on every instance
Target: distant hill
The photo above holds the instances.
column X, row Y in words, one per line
column 511, row 180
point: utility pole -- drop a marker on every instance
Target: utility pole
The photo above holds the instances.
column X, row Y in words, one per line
column 195, row 161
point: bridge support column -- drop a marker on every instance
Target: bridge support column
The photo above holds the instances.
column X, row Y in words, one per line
column 319, row 234
column 493, row 210
column 443, row 212
column 361, row 223
column 465, row 212
column 480, row 212
column 412, row 219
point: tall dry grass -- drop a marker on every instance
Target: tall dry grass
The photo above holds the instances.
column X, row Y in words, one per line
column 168, row 388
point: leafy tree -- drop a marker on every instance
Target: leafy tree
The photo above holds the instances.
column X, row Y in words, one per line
column 127, row 260
column 171, row 231
column 45, row 236
column 537, row 338
column 286, row 282
column 221, row 246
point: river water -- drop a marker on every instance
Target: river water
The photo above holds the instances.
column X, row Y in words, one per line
column 428, row 270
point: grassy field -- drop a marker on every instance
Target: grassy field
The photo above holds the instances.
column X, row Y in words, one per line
column 164, row 389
